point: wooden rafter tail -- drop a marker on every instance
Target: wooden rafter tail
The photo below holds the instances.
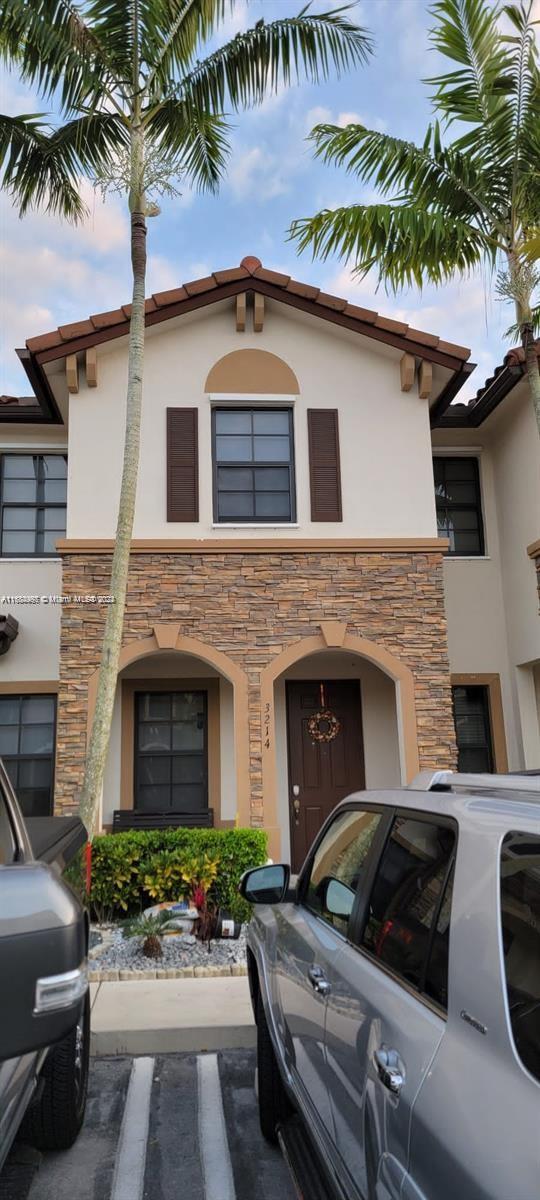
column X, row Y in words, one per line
column 72, row 374
column 91, row 366
column 241, row 312
column 425, row 379
column 258, row 313
column 406, row 371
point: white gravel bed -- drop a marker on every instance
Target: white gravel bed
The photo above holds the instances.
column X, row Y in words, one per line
column 117, row 953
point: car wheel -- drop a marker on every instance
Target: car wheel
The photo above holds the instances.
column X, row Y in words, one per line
column 55, row 1118
column 274, row 1106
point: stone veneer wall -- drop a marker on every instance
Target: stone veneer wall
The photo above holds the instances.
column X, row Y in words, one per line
column 251, row 606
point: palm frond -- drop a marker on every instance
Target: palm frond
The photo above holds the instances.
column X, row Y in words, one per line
column 427, row 175
column 36, row 170
column 466, row 33
column 407, row 246
column 254, row 63
column 57, row 51
column 171, row 31
column 197, row 141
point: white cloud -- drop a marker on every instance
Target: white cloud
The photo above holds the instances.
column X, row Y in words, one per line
column 256, row 173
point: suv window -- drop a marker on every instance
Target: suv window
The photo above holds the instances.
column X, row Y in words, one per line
column 520, row 919
column 338, row 865
column 409, row 912
column 8, row 845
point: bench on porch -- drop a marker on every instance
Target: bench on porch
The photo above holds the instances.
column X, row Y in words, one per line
column 125, row 818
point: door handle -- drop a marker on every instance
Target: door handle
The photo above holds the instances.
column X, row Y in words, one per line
column 390, row 1069
column 319, row 981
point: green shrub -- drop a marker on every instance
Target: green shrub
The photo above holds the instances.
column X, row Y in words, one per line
column 122, row 861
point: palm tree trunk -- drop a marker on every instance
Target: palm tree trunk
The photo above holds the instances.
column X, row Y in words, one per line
column 531, row 367
column 112, row 639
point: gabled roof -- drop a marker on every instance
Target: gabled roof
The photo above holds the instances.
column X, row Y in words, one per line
column 249, row 276
column 489, row 396
column 101, row 326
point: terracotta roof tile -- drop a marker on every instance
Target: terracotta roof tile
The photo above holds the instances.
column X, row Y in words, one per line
column 423, row 339
column 104, row 319
column 305, row 290
column 75, row 330
column 173, row 296
column 231, row 275
column 390, row 325
column 250, row 267
column 20, row 402
column 361, row 314
column 334, row 302
column 251, row 263
column 274, row 277
column 196, row 286
column 43, row 341
column 149, row 306
column 453, row 348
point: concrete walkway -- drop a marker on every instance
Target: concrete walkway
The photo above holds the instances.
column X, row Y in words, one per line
column 172, row 1015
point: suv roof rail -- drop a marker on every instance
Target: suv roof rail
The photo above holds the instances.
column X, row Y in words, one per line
column 447, row 781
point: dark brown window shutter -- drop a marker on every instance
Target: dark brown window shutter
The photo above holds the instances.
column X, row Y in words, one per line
column 324, row 466
column 182, row 464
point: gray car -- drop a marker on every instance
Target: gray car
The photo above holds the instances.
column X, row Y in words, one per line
column 44, row 1005
column 396, row 987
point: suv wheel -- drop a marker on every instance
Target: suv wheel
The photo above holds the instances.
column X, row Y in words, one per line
column 54, row 1120
column 274, row 1106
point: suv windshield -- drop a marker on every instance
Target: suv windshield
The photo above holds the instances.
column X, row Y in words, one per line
column 520, row 919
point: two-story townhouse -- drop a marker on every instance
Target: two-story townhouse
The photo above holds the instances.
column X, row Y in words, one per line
column 306, row 608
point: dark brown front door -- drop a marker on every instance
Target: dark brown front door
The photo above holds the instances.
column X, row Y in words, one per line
column 321, row 772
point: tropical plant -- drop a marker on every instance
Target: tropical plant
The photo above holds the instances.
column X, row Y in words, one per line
column 140, row 109
column 151, row 928
column 456, row 205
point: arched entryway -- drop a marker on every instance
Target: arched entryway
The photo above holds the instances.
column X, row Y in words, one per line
column 171, row 689
column 371, row 694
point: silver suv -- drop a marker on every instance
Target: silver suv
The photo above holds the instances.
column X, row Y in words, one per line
column 396, row 987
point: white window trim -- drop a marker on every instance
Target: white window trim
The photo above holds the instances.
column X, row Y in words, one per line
column 251, row 399
column 254, row 525
column 31, row 448
column 459, row 451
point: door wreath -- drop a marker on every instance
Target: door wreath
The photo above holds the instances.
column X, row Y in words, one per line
column 324, row 726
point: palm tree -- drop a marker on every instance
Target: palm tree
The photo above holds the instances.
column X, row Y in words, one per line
column 454, row 205
column 138, row 107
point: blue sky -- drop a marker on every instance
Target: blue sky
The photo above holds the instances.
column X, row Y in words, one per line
column 51, row 273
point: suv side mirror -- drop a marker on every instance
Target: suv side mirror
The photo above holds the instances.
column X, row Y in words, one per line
column 337, row 898
column 265, row 885
column 42, row 958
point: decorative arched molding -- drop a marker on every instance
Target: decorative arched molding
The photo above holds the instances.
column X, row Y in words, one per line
column 363, row 648
column 252, row 372
column 141, row 648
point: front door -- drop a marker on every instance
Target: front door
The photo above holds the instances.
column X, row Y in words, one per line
column 326, row 755
column 171, row 772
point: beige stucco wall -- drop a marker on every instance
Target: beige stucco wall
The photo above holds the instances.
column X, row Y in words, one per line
column 379, row 723
column 384, row 433
column 34, row 655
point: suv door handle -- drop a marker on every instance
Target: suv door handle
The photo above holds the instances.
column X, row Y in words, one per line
column 390, row 1069
column 319, row 981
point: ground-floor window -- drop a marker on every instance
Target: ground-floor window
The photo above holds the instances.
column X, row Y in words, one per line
column 473, row 728
column 27, row 737
column 171, row 757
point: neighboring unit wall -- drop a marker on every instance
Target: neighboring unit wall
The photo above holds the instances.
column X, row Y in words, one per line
column 491, row 601
column 516, row 459
column 386, row 479
column 34, row 655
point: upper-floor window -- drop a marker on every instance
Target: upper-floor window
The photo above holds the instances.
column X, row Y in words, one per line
column 459, row 510
column 253, row 456
column 32, row 503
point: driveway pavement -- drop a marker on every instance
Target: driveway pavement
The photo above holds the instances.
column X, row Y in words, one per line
column 161, row 1127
